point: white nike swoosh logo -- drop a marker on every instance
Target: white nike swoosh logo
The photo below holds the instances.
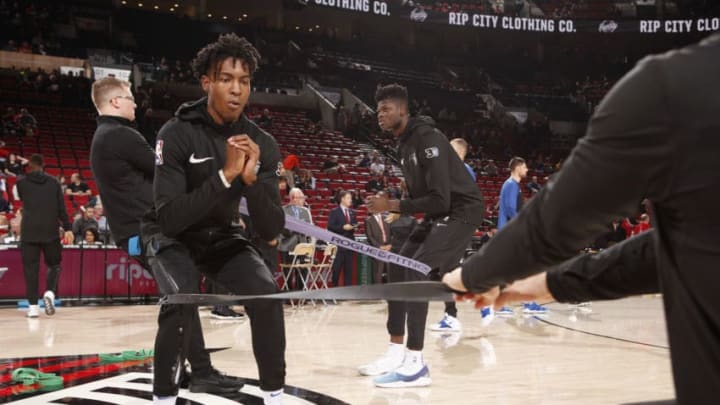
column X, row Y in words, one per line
column 195, row 160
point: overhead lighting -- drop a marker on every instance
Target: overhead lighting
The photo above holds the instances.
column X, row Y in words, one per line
column 310, row 29
column 297, row 28
column 176, row 5
column 156, row 7
column 124, row 2
column 239, row 18
column 224, row 17
column 209, row 15
column 172, row 9
column 139, row 4
column 317, row 26
column 244, row 15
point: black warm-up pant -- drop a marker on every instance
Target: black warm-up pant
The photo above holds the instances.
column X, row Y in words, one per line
column 237, row 268
column 166, row 368
column 30, row 252
column 439, row 244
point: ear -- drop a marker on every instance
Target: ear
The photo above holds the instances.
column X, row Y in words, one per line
column 205, row 83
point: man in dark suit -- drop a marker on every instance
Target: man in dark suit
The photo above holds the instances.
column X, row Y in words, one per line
column 343, row 221
column 378, row 233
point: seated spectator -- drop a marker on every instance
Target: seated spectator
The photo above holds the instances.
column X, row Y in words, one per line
column 533, row 186
column 395, row 192
column 8, row 122
column 103, row 227
column 26, row 122
column 15, row 165
column 491, row 169
column 87, row 220
column 357, row 200
column 63, row 183
column 265, row 120
column 364, row 160
column 11, row 46
column 90, row 237
column 643, row 225
column 375, row 185
column 77, row 186
column 14, row 235
column 306, row 181
column 377, row 168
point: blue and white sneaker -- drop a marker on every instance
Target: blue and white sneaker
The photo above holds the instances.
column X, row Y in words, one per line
column 505, row 311
column 534, row 308
column 447, row 324
column 487, row 314
column 413, row 373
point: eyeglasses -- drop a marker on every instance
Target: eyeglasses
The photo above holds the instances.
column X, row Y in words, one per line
column 131, row 98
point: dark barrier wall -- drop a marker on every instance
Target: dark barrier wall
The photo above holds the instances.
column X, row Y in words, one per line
column 102, row 272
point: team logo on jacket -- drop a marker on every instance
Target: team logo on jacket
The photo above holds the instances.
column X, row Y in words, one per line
column 158, row 153
column 432, row 152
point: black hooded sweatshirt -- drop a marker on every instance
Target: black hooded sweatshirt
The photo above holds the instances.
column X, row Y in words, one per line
column 43, row 208
column 437, row 180
column 192, row 201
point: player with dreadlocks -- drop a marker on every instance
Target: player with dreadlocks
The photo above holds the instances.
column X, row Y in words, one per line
column 208, row 157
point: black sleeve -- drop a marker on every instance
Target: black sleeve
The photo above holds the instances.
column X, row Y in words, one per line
column 62, row 211
column 625, row 157
column 177, row 208
column 263, row 197
column 433, row 156
column 135, row 149
column 628, row 268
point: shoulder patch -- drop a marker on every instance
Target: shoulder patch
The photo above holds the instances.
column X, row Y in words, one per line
column 159, row 153
column 432, row 152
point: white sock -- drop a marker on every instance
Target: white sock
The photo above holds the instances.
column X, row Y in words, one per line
column 414, row 356
column 272, row 396
column 164, row 400
column 396, row 350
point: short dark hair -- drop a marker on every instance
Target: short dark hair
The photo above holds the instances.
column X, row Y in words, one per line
column 227, row 46
column 37, row 160
column 342, row 193
column 391, row 91
column 515, row 162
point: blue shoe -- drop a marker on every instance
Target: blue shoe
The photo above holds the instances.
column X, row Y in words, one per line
column 405, row 377
column 487, row 314
column 534, row 308
column 447, row 324
column 505, row 311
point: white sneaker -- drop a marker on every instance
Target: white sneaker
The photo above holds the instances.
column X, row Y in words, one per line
column 413, row 373
column 447, row 324
column 272, row 397
column 49, row 299
column 33, row 311
column 391, row 360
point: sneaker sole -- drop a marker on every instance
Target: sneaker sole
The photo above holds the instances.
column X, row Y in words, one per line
column 420, row 382
column 436, row 329
column 227, row 318
column 212, row 389
column 49, row 306
column 376, row 373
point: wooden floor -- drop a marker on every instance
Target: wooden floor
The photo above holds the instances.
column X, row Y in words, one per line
column 519, row 360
